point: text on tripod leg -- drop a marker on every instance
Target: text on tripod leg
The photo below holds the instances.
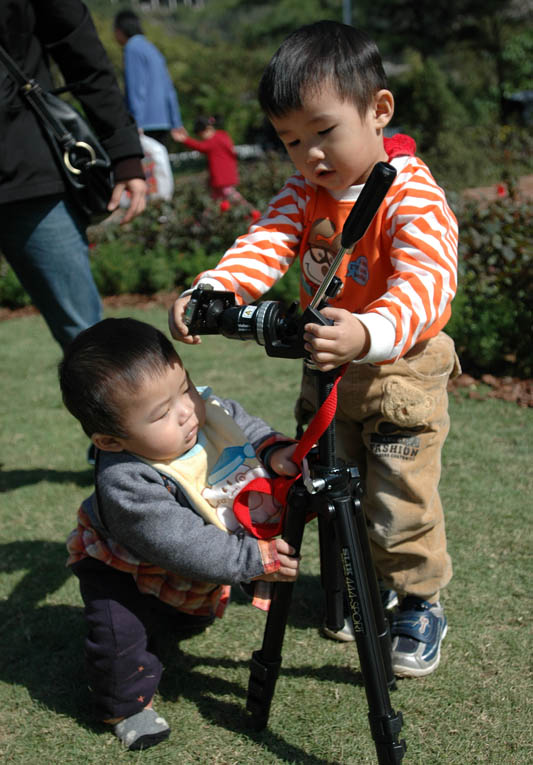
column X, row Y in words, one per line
column 351, row 591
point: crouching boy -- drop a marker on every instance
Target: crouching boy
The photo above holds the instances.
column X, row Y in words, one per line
column 156, row 545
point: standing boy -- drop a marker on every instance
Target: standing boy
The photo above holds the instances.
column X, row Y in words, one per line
column 326, row 95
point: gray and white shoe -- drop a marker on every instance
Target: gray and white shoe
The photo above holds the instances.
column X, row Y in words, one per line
column 142, row 730
column 389, row 598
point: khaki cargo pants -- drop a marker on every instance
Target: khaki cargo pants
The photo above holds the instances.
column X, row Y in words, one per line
column 391, row 422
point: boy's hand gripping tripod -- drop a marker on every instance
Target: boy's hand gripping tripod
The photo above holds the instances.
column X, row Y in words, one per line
column 333, row 493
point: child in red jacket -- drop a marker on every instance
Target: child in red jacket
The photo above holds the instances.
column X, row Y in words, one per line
column 218, row 147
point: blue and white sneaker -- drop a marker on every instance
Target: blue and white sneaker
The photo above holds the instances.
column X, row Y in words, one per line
column 417, row 630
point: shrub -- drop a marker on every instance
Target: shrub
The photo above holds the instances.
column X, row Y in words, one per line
column 166, row 247
column 120, row 267
column 492, row 314
column 12, row 294
column 173, row 241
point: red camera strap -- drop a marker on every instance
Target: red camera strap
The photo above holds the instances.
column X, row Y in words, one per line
column 279, row 487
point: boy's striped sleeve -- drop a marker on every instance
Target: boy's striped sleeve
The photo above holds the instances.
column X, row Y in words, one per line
column 256, row 260
column 424, row 238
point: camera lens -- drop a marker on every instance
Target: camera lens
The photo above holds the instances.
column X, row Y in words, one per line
column 238, row 322
column 250, row 322
column 265, row 321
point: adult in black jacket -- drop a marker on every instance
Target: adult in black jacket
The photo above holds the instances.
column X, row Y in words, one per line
column 42, row 235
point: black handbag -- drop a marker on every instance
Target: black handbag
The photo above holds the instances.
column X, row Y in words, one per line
column 82, row 160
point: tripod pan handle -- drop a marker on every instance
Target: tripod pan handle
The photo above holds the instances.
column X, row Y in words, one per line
column 367, row 204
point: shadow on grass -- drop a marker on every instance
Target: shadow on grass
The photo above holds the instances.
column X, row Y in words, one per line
column 40, row 643
column 183, row 678
column 14, row 479
column 41, row 649
column 306, row 608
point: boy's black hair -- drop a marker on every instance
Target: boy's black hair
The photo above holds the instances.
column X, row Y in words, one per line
column 325, row 51
column 112, row 357
column 129, row 23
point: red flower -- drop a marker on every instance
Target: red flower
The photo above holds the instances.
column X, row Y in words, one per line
column 225, row 205
column 501, row 190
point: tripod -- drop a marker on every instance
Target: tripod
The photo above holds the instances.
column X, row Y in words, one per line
column 334, row 493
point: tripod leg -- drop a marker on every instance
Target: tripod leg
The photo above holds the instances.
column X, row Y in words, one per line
column 382, row 623
column 331, row 576
column 385, row 723
column 266, row 663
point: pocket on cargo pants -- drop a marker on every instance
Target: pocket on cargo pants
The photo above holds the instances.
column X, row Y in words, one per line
column 414, row 386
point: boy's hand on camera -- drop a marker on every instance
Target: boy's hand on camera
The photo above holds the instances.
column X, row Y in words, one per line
column 281, row 462
column 343, row 341
column 178, row 328
column 290, row 566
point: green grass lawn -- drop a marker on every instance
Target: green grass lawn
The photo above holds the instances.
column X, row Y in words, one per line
column 475, row 709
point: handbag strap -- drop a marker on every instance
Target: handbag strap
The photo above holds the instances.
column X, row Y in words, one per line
column 33, row 93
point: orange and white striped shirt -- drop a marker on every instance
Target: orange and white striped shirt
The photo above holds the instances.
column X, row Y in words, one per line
column 399, row 279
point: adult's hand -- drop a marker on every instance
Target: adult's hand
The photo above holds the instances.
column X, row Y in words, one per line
column 137, row 189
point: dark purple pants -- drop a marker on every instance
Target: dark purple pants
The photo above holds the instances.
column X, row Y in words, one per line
column 123, row 625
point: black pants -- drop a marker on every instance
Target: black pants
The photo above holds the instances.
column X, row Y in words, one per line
column 163, row 136
column 122, row 666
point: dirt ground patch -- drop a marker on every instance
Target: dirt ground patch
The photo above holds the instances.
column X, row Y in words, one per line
column 510, row 389
column 499, row 190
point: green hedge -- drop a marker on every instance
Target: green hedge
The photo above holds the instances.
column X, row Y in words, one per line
column 172, row 242
column 492, row 315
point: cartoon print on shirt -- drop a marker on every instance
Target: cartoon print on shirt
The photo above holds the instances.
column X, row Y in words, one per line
column 227, row 478
column 322, row 246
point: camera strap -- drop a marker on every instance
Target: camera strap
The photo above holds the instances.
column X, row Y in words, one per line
column 279, row 487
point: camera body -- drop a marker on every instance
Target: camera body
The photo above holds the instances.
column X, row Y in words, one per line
column 214, row 312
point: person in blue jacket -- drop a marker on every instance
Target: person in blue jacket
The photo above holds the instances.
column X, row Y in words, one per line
column 150, row 94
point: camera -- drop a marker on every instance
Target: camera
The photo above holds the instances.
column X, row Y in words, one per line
column 214, row 312
column 280, row 331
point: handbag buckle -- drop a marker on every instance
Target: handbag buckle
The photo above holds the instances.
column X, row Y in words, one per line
column 80, row 145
